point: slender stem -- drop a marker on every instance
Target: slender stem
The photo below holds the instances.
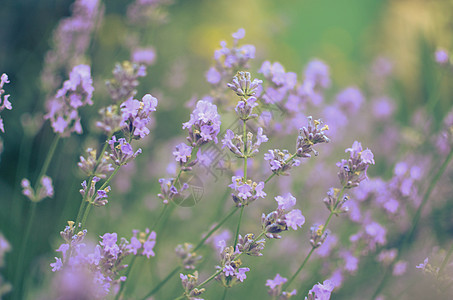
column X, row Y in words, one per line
column 20, row 262
column 123, row 284
column 31, row 218
column 48, row 159
column 288, row 283
column 239, row 225
column 224, row 293
column 415, row 220
column 203, row 240
column 163, row 282
column 162, row 212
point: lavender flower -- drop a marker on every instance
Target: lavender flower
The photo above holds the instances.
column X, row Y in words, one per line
column 76, row 92
column 189, row 283
column 318, row 73
column 97, row 198
column 350, row 100
column 187, row 256
column 168, row 190
column 247, row 191
column 123, row 85
column 44, row 190
column 442, row 56
column 236, row 144
column 182, row 154
column 111, row 120
column 90, row 167
column 5, row 103
column 321, row 291
column 137, row 115
column 204, row 124
column 276, row 74
column 4, row 247
column 353, row 170
column 280, row 219
column 121, row 151
column 281, row 161
column 243, row 85
column 145, row 56
column 231, row 273
column 310, row 136
column 248, row 245
column 142, row 243
column 318, row 235
column 275, row 288
column 334, row 204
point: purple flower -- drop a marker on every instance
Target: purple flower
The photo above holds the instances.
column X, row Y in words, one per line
column 442, row 56
column 57, row 265
column 353, row 170
column 240, row 34
column 244, row 191
column 286, row 202
column 259, row 190
column 383, row 107
column 145, row 56
column 77, row 91
column 204, row 124
column 241, row 274
column 182, row 153
column 322, row 291
column 278, row 280
column 350, row 100
column 318, row 73
column 149, row 244
column 351, row 262
column 423, row 265
column 213, row 76
column 6, row 103
column 121, row 151
column 136, row 115
column 228, row 270
column 295, row 219
column 125, row 79
column 310, row 136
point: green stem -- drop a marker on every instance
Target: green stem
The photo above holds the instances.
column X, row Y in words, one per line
column 415, row 221
column 20, row 262
column 288, row 283
column 224, row 293
column 239, row 225
column 203, row 240
column 163, row 282
column 123, row 284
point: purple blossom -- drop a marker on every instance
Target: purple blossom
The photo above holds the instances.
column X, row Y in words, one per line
column 353, row 170
column 125, row 80
column 441, row 56
column 213, row 76
column 6, row 103
column 286, row 202
column 121, row 151
column 77, row 91
column 383, row 107
column 240, row 34
column 57, row 265
column 322, row 291
column 295, row 219
column 145, row 56
column 204, row 124
column 228, row 270
column 246, row 192
column 350, row 100
column 318, row 73
column 182, row 153
column 310, row 136
column 241, row 274
column 278, row 280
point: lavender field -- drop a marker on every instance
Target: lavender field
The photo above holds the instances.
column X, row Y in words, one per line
column 171, row 149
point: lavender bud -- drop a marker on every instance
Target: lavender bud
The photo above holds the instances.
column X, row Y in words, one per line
column 280, row 161
column 187, row 256
column 317, row 237
column 249, row 246
column 310, row 136
column 122, row 86
column 334, row 204
column 88, row 165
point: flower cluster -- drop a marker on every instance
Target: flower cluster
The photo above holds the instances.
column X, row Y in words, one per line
column 187, row 256
column 247, row 191
column 44, row 190
column 91, row 167
column 125, row 81
column 281, row 161
column 97, row 198
column 275, row 288
column 142, row 243
column 4, row 99
column 121, row 151
column 321, row 291
column 318, row 235
column 249, row 245
column 279, row 220
column 353, row 170
column 76, row 92
column 334, row 204
column 168, row 191
column 204, row 124
column 136, row 115
column 236, row 144
column 231, row 273
column 310, row 136
column 229, row 60
column 183, row 155
column 189, row 283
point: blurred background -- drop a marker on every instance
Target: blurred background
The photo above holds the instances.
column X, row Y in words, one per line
column 348, row 35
